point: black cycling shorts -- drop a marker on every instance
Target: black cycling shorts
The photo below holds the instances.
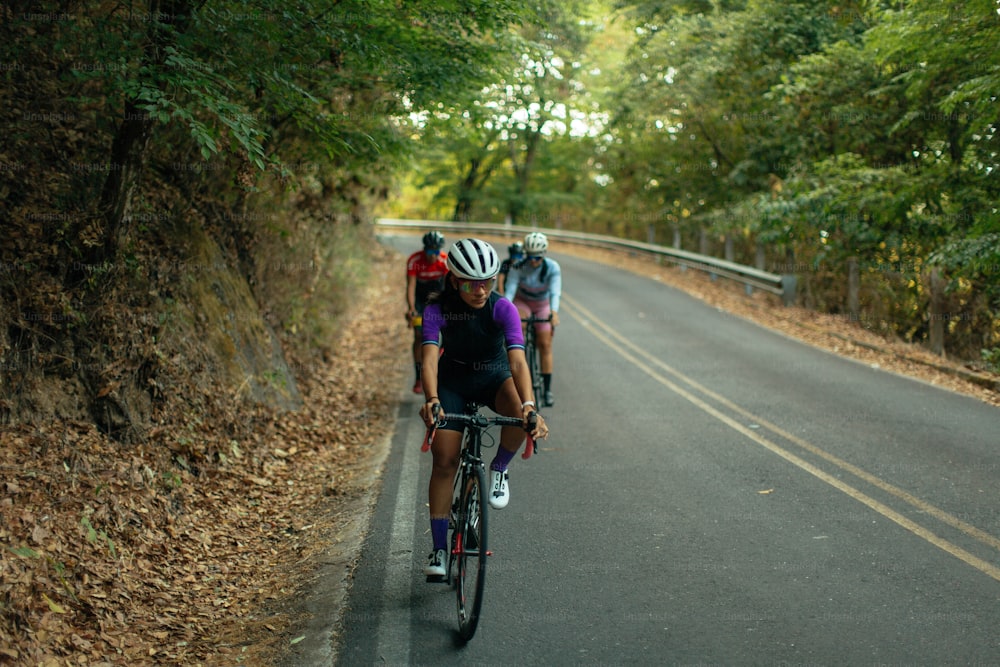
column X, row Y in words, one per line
column 459, row 384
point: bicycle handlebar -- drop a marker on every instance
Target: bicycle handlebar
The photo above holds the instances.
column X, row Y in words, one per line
column 481, row 421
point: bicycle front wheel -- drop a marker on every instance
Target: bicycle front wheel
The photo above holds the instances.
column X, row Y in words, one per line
column 470, row 545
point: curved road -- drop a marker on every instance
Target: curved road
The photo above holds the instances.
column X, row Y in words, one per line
column 712, row 493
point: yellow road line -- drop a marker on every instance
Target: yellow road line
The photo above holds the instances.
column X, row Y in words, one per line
column 923, row 506
column 592, row 323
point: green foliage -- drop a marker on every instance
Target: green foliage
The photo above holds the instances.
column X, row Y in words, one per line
column 976, row 259
column 239, row 74
column 991, row 358
column 25, row 552
column 823, row 131
column 138, row 135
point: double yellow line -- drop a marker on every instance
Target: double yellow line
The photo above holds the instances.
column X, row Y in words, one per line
column 658, row 370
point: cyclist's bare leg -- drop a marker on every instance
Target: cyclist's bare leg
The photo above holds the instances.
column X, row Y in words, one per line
column 509, row 404
column 445, row 450
column 543, row 337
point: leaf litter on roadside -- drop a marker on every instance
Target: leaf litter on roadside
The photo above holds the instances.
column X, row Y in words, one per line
column 147, row 554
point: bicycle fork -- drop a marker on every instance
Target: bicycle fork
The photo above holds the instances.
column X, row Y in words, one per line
column 459, row 518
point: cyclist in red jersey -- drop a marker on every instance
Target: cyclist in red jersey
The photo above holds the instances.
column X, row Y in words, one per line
column 425, row 272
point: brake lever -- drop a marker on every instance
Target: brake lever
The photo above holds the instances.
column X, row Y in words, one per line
column 431, row 430
column 530, row 447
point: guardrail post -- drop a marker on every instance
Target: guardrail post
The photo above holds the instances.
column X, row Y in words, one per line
column 788, row 285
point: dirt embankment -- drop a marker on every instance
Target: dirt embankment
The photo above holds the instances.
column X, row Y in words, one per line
column 193, row 545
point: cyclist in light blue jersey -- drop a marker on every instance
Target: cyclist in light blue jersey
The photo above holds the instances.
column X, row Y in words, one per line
column 535, row 287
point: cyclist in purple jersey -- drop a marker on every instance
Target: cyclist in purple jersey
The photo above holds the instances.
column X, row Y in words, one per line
column 483, row 360
column 535, row 287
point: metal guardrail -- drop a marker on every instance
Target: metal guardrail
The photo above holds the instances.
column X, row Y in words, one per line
column 752, row 278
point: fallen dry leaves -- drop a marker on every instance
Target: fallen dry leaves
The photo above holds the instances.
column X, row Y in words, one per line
column 134, row 555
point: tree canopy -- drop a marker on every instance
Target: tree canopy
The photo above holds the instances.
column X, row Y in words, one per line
column 808, row 137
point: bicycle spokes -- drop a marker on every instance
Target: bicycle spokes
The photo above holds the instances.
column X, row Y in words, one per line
column 470, row 552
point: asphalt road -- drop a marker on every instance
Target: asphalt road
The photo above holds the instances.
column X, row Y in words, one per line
column 712, row 493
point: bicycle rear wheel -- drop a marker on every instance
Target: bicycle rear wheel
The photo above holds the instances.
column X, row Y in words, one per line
column 535, row 367
column 470, row 546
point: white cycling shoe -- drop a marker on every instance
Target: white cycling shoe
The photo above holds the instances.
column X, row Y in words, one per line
column 436, row 564
column 499, row 489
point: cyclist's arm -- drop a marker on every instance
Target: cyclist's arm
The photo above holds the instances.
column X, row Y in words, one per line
column 429, row 377
column 522, row 383
column 511, row 282
column 522, row 376
column 555, row 285
column 429, row 360
column 411, row 295
column 506, row 315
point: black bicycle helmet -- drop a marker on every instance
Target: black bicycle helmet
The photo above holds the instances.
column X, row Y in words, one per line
column 433, row 240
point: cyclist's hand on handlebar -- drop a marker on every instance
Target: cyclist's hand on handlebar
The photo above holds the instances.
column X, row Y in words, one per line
column 431, row 412
column 429, row 415
column 540, row 430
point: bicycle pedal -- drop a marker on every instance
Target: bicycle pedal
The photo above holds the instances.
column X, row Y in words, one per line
column 437, row 579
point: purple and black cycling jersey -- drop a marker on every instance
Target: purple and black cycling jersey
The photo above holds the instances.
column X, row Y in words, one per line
column 474, row 336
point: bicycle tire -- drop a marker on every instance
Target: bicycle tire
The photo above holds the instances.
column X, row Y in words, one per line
column 535, row 368
column 470, row 546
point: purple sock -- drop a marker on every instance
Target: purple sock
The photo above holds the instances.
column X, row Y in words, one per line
column 501, row 460
column 439, row 533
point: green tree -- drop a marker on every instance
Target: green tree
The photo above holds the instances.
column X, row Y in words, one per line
column 129, row 122
column 484, row 148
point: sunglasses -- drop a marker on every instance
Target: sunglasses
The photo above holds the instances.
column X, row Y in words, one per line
column 535, row 258
column 469, row 286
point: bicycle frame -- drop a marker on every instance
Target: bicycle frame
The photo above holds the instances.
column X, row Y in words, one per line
column 470, row 465
column 469, row 544
column 471, row 459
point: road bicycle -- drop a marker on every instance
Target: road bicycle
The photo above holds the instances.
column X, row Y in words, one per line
column 534, row 358
column 468, row 552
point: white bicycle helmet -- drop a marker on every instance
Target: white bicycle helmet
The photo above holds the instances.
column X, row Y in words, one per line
column 473, row 259
column 535, row 243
